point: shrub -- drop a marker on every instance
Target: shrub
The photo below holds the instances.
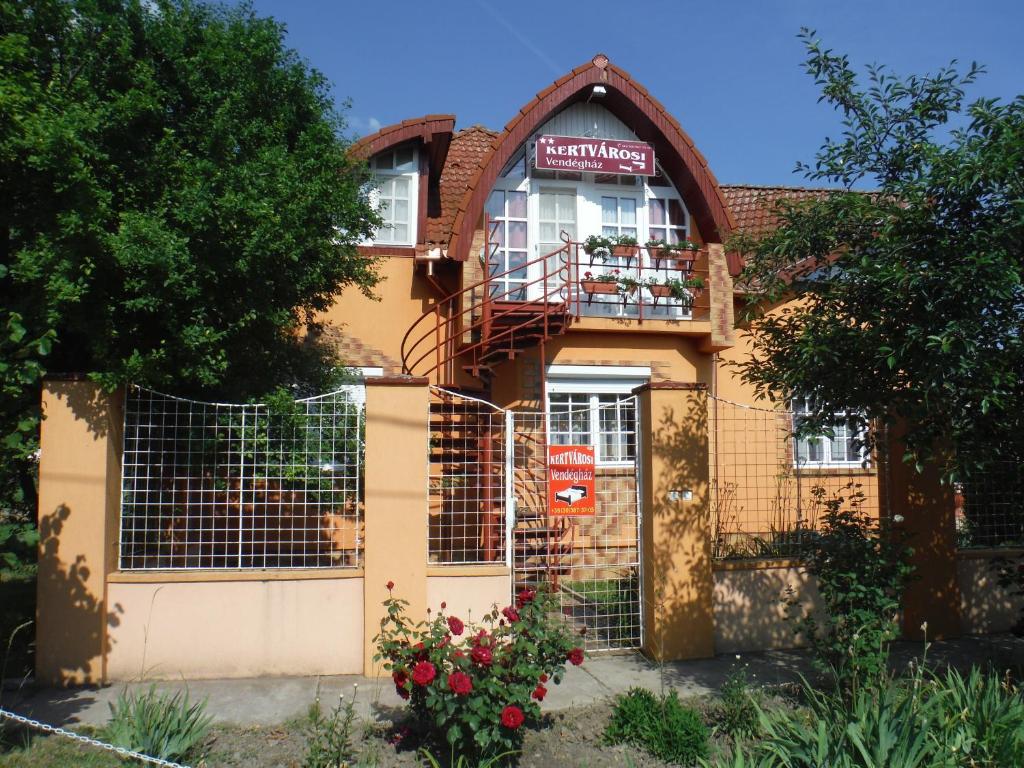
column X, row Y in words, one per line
column 660, row 725
column 861, row 571
column 162, row 725
column 478, row 686
column 329, row 737
column 737, row 707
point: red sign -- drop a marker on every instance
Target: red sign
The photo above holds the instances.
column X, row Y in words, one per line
column 571, row 480
column 578, row 153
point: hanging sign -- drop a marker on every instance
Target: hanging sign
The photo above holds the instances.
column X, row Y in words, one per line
column 579, row 153
column 571, row 481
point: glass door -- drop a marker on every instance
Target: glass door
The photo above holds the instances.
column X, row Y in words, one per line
column 508, row 251
column 556, row 213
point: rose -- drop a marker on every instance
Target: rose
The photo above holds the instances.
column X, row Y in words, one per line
column 575, row 656
column 399, row 676
column 512, row 717
column 460, row 683
column 423, row 673
column 390, row 585
column 400, row 690
column 543, row 678
column 482, row 656
column 455, row 625
column 525, row 596
column 481, row 638
column 539, row 693
column 510, row 613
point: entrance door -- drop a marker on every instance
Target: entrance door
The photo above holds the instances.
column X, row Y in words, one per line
column 591, row 563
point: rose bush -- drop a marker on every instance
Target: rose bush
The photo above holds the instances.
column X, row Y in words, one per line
column 475, row 687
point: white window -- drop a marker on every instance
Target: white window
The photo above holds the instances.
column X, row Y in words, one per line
column 845, row 448
column 396, row 192
column 667, row 219
column 594, row 405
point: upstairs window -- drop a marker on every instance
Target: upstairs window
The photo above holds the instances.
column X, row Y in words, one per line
column 666, row 219
column 396, row 191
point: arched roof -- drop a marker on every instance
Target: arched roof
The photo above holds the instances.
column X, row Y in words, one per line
column 423, row 128
column 632, row 104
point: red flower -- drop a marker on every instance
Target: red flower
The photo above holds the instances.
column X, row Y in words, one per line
column 400, row 690
column 482, row 656
column 455, row 625
column 399, row 676
column 525, row 596
column 539, row 693
column 423, row 673
column 458, row 655
column 460, row 683
column 511, row 614
column 390, row 585
column 480, row 637
column 512, row 717
column 543, row 678
column 575, row 656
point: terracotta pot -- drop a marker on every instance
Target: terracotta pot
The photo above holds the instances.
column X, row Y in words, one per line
column 661, row 291
column 625, row 251
column 599, row 286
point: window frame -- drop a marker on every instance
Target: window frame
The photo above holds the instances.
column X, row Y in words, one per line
column 409, row 171
column 592, row 382
column 861, row 461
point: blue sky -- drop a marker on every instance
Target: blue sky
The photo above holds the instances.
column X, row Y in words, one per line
column 729, row 71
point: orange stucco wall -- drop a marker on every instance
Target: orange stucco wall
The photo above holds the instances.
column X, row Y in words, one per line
column 162, row 629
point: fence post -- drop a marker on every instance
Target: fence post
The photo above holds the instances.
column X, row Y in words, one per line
column 676, row 546
column 79, row 505
column 928, row 510
column 396, row 498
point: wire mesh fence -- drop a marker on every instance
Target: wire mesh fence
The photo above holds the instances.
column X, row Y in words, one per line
column 466, row 489
column 769, row 487
column 593, row 562
column 213, row 486
column 990, row 506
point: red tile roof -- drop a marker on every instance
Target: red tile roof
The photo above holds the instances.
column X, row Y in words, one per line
column 753, row 207
column 467, row 149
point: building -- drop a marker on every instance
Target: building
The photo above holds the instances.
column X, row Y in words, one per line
column 540, row 405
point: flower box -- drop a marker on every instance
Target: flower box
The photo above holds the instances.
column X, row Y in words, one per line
column 660, row 291
column 599, row 286
column 625, row 251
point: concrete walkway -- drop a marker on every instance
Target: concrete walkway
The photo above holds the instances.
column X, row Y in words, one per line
column 272, row 700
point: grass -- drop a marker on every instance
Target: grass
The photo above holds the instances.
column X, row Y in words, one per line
column 613, row 603
column 20, row 749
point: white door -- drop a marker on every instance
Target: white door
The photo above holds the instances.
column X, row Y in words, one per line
column 556, row 213
column 614, row 213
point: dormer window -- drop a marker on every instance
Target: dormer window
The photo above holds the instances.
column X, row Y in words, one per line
column 396, row 191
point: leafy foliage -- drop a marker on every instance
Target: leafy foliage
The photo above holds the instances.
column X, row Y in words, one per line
column 157, row 724
column 926, row 721
column 176, row 202
column 738, row 705
column 912, row 296
column 662, row 725
column 476, row 687
column 861, row 572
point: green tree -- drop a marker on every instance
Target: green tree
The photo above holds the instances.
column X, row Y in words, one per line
column 176, row 203
column 911, row 302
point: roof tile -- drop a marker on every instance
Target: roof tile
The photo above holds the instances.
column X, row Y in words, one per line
column 467, row 149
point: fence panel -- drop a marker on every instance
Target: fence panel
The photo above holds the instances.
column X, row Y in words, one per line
column 214, row 486
column 990, row 506
column 466, row 480
column 769, row 489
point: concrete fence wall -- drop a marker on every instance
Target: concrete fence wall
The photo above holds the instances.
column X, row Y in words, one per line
column 98, row 624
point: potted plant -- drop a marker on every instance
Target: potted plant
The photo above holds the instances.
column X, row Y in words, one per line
column 628, row 284
column 683, row 291
column 603, row 283
column 625, row 246
column 598, row 246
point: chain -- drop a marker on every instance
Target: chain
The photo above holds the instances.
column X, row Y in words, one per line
column 47, row 728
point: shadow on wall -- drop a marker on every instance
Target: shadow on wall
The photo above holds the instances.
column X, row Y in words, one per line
column 73, row 640
column 741, row 609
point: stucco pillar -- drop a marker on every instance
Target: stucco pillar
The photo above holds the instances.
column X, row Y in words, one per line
column 79, row 504
column 397, row 440
column 928, row 510
column 677, row 576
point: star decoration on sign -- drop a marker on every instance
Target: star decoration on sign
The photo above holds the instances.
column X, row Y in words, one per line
column 547, row 140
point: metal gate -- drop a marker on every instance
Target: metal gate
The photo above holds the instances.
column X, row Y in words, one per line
column 591, row 563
